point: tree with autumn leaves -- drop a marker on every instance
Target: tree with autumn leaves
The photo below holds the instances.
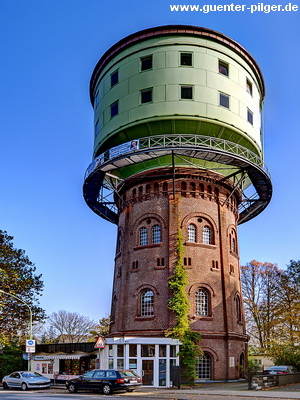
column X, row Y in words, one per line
column 18, row 278
column 272, row 308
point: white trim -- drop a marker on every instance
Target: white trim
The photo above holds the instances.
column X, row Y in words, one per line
column 140, row 341
column 65, row 356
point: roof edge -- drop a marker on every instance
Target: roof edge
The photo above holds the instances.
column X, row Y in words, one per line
column 169, row 30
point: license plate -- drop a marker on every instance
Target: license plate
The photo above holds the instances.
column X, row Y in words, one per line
column 133, row 381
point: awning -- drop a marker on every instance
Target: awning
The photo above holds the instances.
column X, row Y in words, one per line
column 65, row 356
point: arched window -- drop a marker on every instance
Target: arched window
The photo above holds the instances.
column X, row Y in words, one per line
column 202, row 302
column 192, row 189
column 192, row 233
column 156, row 234
column 233, row 245
column 134, row 195
column 206, row 235
column 140, row 193
column 238, row 308
column 143, row 236
column 165, row 189
column 147, row 302
column 148, row 190
column 203, row 366
column 119, row 242
column 183, row 189
column 242, row 363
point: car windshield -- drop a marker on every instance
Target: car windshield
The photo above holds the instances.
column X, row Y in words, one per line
column 89, row 374
column 127, row 373
column 30, row 374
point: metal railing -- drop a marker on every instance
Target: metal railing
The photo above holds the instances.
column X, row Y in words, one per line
column 185, row 141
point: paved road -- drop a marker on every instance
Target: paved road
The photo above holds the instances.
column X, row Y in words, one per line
column 227, row 391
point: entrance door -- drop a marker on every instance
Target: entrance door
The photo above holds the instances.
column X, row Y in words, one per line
column 147, row 367
column 242, row 364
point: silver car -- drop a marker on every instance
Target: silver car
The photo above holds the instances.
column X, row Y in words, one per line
column 25, row 380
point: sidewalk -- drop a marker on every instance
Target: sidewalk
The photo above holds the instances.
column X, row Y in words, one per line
column 237, row 389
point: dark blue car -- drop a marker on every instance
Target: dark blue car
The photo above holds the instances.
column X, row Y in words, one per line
column 106, row 381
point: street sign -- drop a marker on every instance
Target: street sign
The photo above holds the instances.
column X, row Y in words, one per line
column 30, row 346
column 100, row 344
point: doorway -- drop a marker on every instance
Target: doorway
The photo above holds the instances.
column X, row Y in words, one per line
column 147, row 367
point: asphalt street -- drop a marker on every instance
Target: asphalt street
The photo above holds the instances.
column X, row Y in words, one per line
column 226, row 391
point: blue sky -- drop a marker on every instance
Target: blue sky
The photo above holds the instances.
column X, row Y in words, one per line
column 48, row 50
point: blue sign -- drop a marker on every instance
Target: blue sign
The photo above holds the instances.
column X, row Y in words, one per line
column 30, row 342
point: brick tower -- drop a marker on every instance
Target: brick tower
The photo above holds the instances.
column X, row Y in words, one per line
column 178, row 142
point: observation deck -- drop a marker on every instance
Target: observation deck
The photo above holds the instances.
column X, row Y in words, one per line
column 245, row 168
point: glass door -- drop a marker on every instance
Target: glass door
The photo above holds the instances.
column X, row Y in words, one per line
column 147, row 367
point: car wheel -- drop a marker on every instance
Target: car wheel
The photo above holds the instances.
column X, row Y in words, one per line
column 106, row 389
column 24, row 386
column 72, row 388
column 5, row 386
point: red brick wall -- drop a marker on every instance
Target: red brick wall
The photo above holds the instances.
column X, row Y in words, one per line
column 200, row 199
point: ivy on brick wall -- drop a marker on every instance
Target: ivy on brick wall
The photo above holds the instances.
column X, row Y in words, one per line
column 179, row 303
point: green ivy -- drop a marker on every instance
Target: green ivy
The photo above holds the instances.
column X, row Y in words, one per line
column 179, row 303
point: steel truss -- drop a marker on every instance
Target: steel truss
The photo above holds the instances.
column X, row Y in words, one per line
column 101, row 184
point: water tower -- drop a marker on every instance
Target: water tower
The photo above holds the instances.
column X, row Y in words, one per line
column 178, row 140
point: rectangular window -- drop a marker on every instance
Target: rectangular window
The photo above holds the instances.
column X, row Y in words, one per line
column 148, row 350
column 120, row 350
column 187, row 92
column 249, row 87
column 97, row 128
column 187, row 261
column 250, row 116
column 223, row 68
column 160, row 262
column 224, row 100
column 96, row 100
column 162, row 372
column 114, row 78
column 114, row 109
column 143, row 236
column 135, row 264
column 162, row 350
column 132, row 363
column 146, row 63
column 173, row 352
column 186, row 59
column 146, row 96
column 132, row 350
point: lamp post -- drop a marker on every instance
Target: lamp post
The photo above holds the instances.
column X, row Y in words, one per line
column 30, row 318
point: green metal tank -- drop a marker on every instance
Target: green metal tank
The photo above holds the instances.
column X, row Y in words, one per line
column 182, row 96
